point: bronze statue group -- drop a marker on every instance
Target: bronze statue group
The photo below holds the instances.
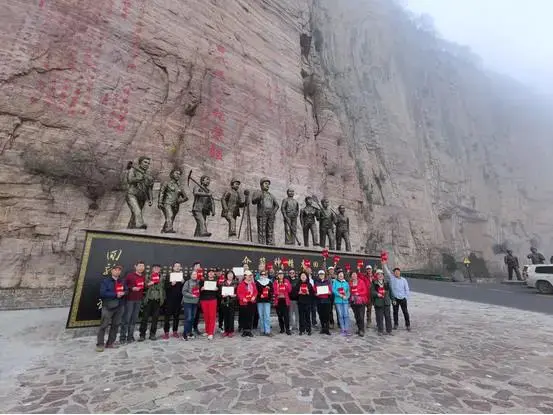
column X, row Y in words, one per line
column 297, row 297
column 333, row 226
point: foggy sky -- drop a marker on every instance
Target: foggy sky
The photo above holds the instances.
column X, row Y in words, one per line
column 514, row 37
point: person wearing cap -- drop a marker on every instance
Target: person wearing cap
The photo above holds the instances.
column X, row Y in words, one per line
column 135, row 282
column 380, row 293
column 231, row 202
column 112, row 292
column 264, row 299
column 173, row 303
column 208, row 303
column 247, row 295
column 322, row 295
column 281, row 299
column 267, row 207
column 399, row 288
column 153, row 299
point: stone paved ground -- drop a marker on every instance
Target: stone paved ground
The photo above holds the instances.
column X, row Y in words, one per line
column 460, row 357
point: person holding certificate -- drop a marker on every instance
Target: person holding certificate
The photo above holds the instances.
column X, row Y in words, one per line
column 282, row 289
column 208, row 302
column 247, row 295
column 380, row 294
column 323, row 291
column 173, row 300
column 228, row 302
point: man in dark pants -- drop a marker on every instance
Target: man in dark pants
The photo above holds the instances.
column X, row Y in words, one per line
column 512, row 265
column 380, row 293
column 313, row 300
column 195, row 267
column 154, row 297
column 112, row 292
column 399, row 294
column 173, row 303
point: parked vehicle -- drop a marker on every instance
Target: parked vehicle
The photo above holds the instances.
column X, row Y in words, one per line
column 540, row 277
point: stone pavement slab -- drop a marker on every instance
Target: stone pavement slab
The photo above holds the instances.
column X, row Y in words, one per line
column 460, row 357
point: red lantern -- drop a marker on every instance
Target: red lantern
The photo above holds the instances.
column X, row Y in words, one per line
column 325, row 253
column 336, row 259
column 359, row 264
column 284, row 262
column 200, row 273
column 307, row 263
column 269, row 266
column 347, row 267
column 384, row 256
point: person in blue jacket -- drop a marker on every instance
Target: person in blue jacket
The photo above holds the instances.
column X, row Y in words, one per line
column 340, row 289
column 112, row 292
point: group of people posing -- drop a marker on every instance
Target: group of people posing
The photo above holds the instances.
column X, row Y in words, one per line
column 297, row 299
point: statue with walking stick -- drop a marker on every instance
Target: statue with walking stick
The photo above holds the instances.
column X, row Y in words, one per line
column 267, row 207
column 139, row 185
column 170, row 197
column 290, row 210
column 203, row 205
column 231, row 202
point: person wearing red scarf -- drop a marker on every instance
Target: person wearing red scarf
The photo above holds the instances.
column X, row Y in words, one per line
column 247, row 294
column 282, row 289
column 359, row 294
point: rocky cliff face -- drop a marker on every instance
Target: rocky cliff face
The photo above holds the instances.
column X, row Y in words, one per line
column 344, row 99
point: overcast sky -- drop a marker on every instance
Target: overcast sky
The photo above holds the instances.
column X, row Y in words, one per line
column 511, row 36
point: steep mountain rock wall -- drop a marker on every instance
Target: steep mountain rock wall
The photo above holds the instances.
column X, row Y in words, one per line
column 453, row 160
column 345, row 99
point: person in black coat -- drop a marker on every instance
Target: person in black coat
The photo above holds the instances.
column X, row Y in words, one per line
column 305, row 293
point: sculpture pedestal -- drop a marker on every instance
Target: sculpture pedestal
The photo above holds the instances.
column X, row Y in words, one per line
column 103, row 249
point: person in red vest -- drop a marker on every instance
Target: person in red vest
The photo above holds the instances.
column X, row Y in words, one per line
column 247, row 294
column 359, row 298
column 281, row 299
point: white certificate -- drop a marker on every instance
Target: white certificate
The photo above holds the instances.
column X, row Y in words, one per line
column 238, row 271
column 322, row 289
column 176, row 277
column 227, row 290
column 210, row 285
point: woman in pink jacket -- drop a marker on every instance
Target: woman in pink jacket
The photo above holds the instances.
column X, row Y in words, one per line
column 281, row 298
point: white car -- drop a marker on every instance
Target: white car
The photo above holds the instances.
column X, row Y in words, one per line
column 540, row 277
